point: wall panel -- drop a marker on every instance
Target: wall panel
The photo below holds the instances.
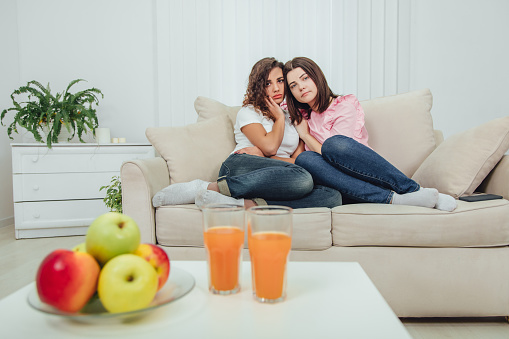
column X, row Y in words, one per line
column 209, row 47
column 383, row 48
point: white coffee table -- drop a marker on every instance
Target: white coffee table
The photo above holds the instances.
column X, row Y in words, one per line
column 324, row 300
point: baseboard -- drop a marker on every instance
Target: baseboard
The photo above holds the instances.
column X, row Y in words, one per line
column 6, row 222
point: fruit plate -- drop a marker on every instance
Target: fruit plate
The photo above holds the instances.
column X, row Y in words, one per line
column 178, row 285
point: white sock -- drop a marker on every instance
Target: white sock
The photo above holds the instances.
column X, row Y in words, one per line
column 205, row 197
column 425, row 197
column 181, row 193
column 446, row 203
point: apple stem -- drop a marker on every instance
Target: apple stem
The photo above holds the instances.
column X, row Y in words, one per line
column 121, row 225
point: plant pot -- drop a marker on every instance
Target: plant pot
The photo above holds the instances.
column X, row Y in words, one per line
column 65, row 134
column 62, row 137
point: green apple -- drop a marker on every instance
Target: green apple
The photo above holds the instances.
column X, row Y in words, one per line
column 112, row 234
column 127, row 283
column 80, row 248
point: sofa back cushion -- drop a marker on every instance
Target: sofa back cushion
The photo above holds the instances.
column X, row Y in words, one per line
column 460, row 163
column 400, row 128
column 194, row 151
column 208, row 108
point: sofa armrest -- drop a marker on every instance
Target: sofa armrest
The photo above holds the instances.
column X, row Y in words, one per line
column 497, row 182
column 141, row 180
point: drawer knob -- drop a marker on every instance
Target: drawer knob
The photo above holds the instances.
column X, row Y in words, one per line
column 37, row 215
column 34, row 159
column 36, row 187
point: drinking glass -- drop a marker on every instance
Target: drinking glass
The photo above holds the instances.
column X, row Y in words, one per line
column 270, row 241
column 223, row 235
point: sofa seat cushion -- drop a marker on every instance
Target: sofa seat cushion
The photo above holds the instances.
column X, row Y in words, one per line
column 474, row 224
column 181, row 225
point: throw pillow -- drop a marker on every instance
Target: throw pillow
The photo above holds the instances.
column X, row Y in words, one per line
column 209, row 108
column 400, row 128
column 460, row 163
column 194, row 151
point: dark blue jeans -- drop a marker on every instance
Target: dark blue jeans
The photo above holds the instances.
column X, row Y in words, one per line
column 358, row 172
column 276, row 182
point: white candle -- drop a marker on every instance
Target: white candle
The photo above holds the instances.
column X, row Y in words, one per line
column 102, row 135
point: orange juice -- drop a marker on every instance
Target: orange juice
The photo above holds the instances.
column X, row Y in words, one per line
column 269, row 253
column 223, row 244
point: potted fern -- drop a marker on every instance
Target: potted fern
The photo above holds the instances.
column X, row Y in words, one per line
column 113, row 198
column 49, row 114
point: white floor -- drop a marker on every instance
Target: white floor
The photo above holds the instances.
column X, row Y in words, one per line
column 20, row 259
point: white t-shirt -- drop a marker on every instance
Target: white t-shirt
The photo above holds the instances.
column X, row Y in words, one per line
column 248, row 115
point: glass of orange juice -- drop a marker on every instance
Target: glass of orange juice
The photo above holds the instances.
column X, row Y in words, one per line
column 223, row 235
column 270, row 241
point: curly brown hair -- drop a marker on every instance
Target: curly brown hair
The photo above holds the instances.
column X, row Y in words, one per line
column 255, row 93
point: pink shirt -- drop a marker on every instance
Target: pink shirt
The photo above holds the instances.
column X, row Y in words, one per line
column 344, row 116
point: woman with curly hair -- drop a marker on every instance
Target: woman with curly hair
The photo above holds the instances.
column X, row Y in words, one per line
column 261, row 169
column 338, row 156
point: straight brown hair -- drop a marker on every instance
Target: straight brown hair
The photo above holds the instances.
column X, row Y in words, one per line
column 297, row 109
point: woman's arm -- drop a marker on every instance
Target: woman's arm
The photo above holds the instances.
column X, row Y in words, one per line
column 269, row 142
column 299, row 150
column 251, row 151
column 308, row 139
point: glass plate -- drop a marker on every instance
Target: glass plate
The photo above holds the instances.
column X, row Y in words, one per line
column 178, row 285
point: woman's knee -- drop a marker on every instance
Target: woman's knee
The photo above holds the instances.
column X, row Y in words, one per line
column 331, row 197
column 306, row 159
column 303, row 180
column 338, row 144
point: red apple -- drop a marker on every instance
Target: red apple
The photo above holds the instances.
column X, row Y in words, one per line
column 67, row 279
column 158, row 258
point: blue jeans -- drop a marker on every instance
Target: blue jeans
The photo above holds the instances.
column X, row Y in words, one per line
column 358, row 172
column 273, row 182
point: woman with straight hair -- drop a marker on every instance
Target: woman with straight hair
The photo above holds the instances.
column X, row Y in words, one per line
column 261, row 169
column 338, row 154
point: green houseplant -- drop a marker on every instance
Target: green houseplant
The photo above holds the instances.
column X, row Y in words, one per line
column 113, row 198
column 41, row 110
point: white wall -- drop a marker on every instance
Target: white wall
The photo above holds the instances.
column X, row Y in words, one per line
column 9, row 79
column 460, row 51
column 207, row 47
column 152, row 58
column 108, row 43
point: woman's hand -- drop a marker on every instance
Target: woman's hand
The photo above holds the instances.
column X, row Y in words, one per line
column 251, row 150
column 267, row 142
column 274, row 109
column 302, row 128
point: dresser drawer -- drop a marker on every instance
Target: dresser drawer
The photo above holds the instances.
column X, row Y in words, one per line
column 60, row 186
column 56, row 191
column 75, row 158
column 54, row 214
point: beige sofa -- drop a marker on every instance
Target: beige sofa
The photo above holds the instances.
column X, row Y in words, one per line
column 425, row 262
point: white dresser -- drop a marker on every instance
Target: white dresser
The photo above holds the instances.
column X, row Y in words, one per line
column 56, row 191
